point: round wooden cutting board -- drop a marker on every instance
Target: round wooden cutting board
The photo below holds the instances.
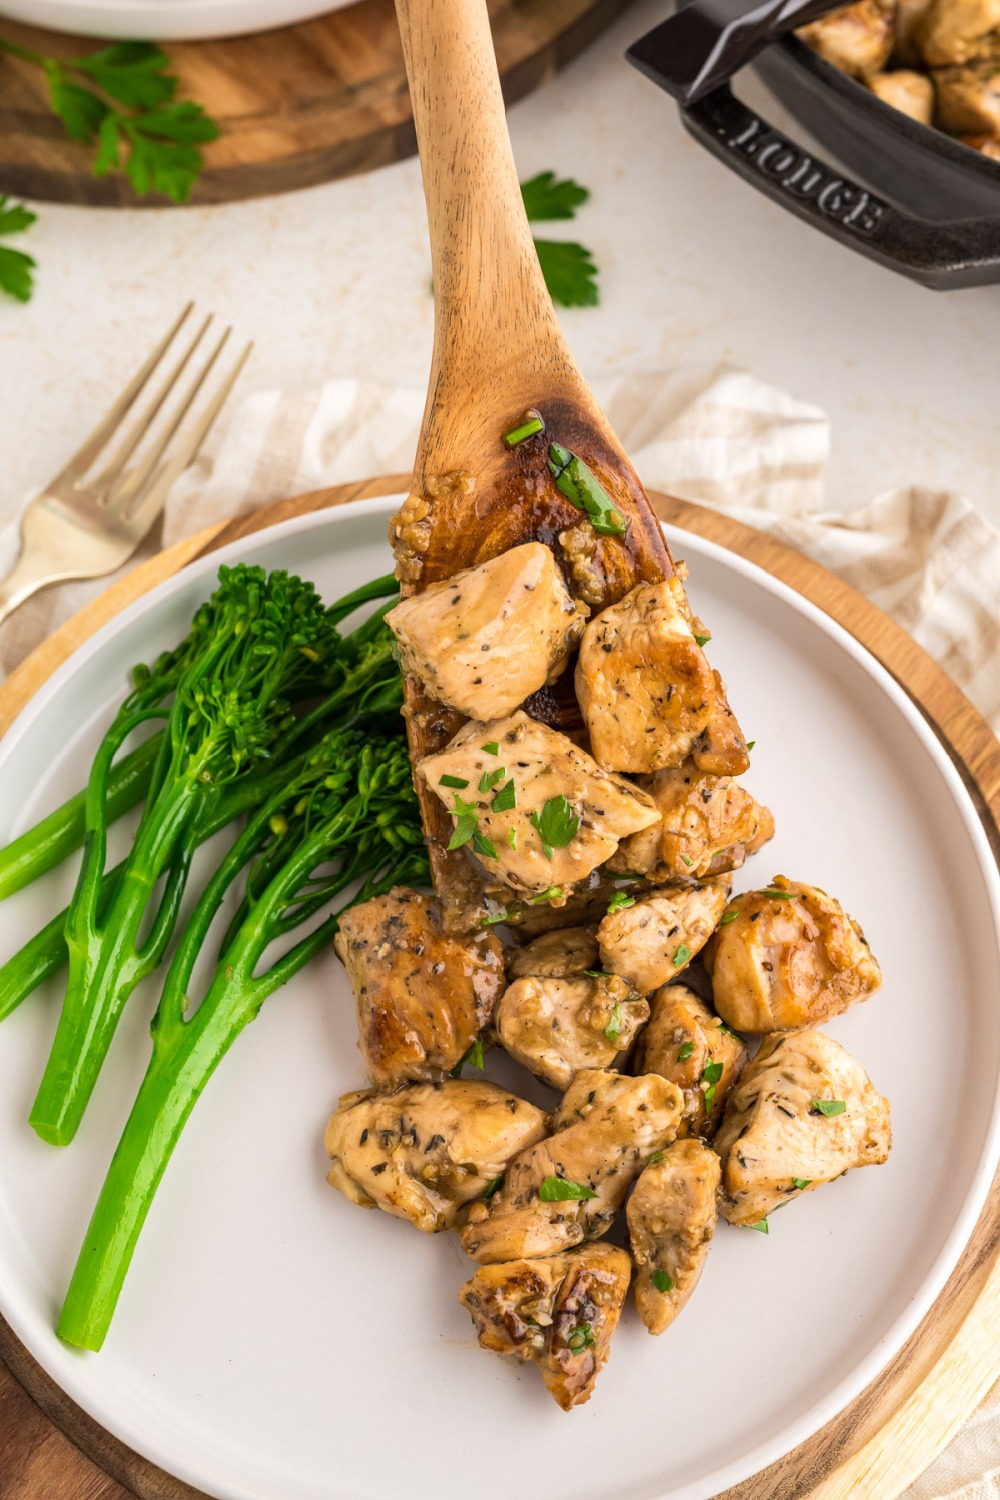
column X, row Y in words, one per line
column 296, row 106
column 894, row 1429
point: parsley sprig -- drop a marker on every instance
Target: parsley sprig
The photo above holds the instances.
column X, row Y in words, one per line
column 122, row 100
column 556, row 825
column 569, row 269
column 16, row 266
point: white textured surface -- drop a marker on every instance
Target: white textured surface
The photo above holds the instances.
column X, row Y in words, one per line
column 694, row 266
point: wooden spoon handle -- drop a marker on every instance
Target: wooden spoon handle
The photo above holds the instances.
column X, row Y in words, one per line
column 494, row 319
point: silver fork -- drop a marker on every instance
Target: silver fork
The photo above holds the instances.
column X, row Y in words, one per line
column 81, row 527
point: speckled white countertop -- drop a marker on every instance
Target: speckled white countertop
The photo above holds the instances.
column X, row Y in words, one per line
column 695, row 267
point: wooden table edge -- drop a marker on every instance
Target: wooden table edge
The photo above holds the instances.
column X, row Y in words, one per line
column 890, row 1433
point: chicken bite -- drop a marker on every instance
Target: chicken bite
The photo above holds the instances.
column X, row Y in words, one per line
column 909, row 92
column 786, row 957
column 721, row 748
column 856, row 39
column 490, row 636
column 707, row 824
column 429, row 1149
column 555, row 1027
column 569, row 1187
column 535, row 809
column 686, row 1042
column 671, row 1219
column 555, row 955
column 557, row 1312
column 422, row 997
column 643, row 683
column 968, row 98
column 804, row 1112
column 956, row 31
column 654, row 940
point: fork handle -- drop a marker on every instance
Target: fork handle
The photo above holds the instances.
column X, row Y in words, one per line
column 27, row 576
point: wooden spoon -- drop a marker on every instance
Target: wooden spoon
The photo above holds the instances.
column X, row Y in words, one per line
column 498, row 353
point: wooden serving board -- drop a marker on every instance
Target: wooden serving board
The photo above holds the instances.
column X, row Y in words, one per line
column 894, row 1429
column 296, row 106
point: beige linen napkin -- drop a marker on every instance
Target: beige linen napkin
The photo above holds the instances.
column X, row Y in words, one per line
column 718, row 437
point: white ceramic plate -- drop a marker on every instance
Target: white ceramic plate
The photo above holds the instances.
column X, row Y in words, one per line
column 273, row 1342
column 165, row 20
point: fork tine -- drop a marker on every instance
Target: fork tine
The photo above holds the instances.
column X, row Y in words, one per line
column 106, row 427
column 104, row 483
column 148, row 488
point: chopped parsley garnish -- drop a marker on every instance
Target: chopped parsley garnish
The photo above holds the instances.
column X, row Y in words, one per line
column 685, row 1052
column 801, row 1183
column 750, row 744
column 827, row 1107
column 702, row 640
column 466, row 814
column 721, row 1026
column 619, row 901
column 500, row 916
column 493, row 1187
column 489, row 779
column 781, row 895
column 662, row 1281
column 458, row 782
column 483, row 846
column 613, row 1029
column 760, row 1226
column 16, row 267
column 598, row 974
column 557, row 824
column 728, row 916
column 547, row 196
column 512, row 838
column 506, row 798
column 551, row 893
column 656, row 1158
column 681, row 956
column 525, row 429
column 581, row 1337
column 492, row 747
column 583, row 489
column 562, row 1190
column 711, row 1075
column 474, row 1057
column 688, row 862
column 568, row 268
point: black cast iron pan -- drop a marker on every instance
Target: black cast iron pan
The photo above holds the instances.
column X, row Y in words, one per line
column 930, row 207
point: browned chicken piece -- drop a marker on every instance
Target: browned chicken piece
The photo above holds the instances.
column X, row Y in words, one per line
column 804, row 1112
column 555, row 1027
column 954, row 31
column 911, row 93
column 490, row 636
column 423, row 997
column 569, row 1187
column 686, row 1042
column 655, row 939
column 707, row 824
column 989, row 145
column 642, row 681
column 968, row 99
column 671, row 1219
column 906, row 51
column 555, row 955
column 429, row 1149
column 721, row 748
column 765, row 830
column 786, row 957
column 557, row 1312
column 544, row 812
column 857, row 39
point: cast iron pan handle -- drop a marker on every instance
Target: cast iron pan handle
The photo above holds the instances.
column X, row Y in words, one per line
column 963, row 253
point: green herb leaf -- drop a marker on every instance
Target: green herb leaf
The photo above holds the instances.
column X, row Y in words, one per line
column 561, row 1190
column 613, row 1029
column 492, row 747
column 570, row 273
column 597, row 974
column 483, row 846
column 581, row 1337
column 781, row 895
column 702, row 640
column 81, row 111
column 527, row 429
column 557, row 824
column 551, row 893
column 681, row 956
column 801, row 1183
column 16, row 267
column 474, row 1057
column 619, row 901
column 721, row 1026
column 583, row 489
column 760, row 1226
column 656, row 1158
column 492, row 1187
column 710, row 1076
column 728, row 916
column 489, row 779
column 506, row 798
column 132, row 73
column 687, row 861
column 662, row 1281
column 549, row 197
column 827, row 1107
column 459, row 782
column 686, row 1049
column 500, row 916
column 466, row 815
column 512, row 838
column 750, row 744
